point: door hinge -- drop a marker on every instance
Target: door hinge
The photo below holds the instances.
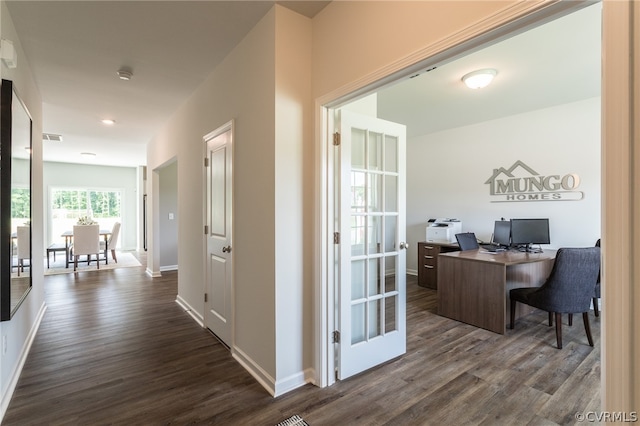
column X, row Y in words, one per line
column 206, row 161
column 206, row 298
column 206, row 230
column 335, row 336
column 336, row 238
column 336, row 139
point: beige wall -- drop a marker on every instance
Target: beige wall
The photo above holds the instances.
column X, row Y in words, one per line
column 20, row 330
column 352, row 40
column 294, row 200
column 242, row 88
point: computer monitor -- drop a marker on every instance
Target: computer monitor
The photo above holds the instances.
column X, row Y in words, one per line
column 502, row 233
column 525, row 232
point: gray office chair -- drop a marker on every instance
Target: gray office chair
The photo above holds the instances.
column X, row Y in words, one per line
column 568, row 290
column 467, row 241
column 596, row 294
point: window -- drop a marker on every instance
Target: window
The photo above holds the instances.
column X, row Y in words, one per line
column 67, row 205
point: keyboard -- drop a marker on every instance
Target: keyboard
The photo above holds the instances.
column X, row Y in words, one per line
column 492, row 248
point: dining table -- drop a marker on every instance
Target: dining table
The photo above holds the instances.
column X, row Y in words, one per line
column 68, row 238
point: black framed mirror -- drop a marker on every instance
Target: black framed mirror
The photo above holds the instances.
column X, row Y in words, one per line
column 15, row 201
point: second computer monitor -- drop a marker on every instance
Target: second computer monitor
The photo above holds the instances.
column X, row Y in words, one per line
column 529, row 231
column 502, row 233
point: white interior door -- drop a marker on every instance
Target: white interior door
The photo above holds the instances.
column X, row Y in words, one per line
column 219, row 275
column 372, row 250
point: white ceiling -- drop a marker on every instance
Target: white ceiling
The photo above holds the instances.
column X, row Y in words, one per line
column 556, row 63
column 75, row 48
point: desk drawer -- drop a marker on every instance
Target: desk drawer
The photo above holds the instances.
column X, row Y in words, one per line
column 428, row 265
column 428, row 262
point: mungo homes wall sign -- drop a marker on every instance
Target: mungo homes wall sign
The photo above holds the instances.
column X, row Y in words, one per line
column 520, row 183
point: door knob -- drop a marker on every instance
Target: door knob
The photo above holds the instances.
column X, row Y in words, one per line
column 226, row 249
column 404, row 246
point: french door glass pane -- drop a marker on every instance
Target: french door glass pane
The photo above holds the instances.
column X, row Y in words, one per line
column 390, row 153
column 391, row 308
column 375, row 318
column 358, row 149
column 390, row 193
column 374, row 236
column 374, row 277
column 390, row 282
column 358, row 323
column 375, row 193
column 358, row 279
column 358, row 227
column 358, row 192
column 375, row 151
column 390, row 229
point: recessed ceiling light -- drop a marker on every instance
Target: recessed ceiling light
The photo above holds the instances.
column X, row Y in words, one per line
column 108, row 121
column 479, row 79
column 125, row 73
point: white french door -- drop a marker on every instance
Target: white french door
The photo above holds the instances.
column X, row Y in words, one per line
column 371, row 316
column 219, row 264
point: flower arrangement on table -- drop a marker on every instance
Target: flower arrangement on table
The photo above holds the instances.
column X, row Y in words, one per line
column 86, row 220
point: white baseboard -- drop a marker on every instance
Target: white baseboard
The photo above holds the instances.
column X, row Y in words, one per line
column 412, row 272
column 189, row 309
column 255, row 370
column 295, row 381
column 267, row 381
column 15, row 375
column 153, row 274
column 168, row 268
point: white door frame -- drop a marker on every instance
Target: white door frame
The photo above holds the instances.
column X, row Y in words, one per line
column 519, row 18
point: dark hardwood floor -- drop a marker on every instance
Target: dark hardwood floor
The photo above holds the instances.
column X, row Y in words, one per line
column 115, row 348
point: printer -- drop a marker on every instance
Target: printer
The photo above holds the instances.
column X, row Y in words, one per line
column 443, row 230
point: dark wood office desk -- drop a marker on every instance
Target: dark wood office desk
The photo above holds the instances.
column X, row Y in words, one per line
column 473, row 285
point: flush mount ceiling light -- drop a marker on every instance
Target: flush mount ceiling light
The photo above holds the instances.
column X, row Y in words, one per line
column 125, row 73
column 479, row 79
column 108, row 121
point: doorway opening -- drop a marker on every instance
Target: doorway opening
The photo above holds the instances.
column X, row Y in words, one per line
column 458, row 126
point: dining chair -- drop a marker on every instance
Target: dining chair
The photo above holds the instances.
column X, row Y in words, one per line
column 23, row 236
column 86, row 242
column 111, row 242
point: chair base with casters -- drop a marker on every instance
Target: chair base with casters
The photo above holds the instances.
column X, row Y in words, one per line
column 568, row 290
